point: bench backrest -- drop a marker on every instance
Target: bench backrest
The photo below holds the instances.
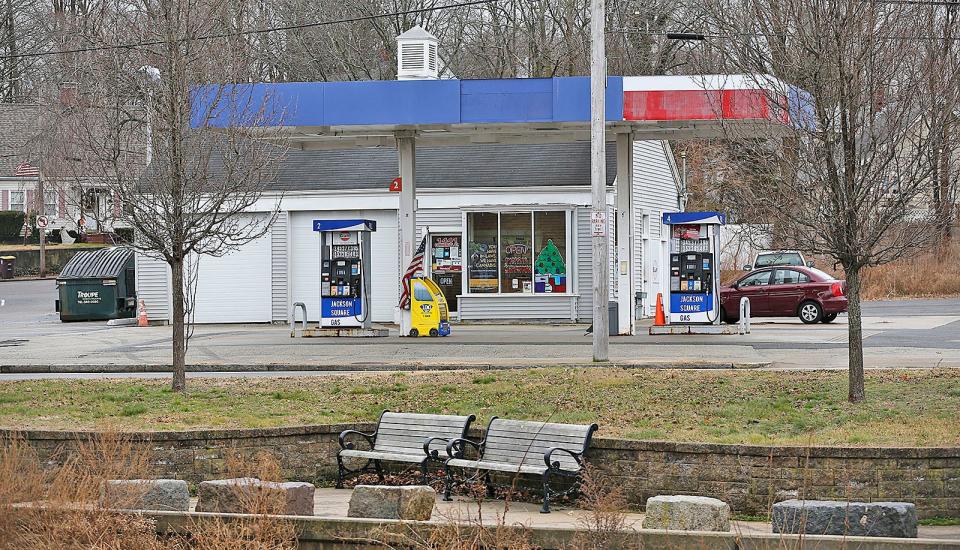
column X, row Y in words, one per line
column 405, row 432
column 524, row 442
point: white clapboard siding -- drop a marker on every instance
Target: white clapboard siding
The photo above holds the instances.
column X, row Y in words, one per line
column 655, row 182
column 434, row 218
column 520, row 306
column 153, row 286
column 279, row 262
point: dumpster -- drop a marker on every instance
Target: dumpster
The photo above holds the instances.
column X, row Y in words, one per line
column 6, row 266
column 429, row 315
column 98, row 285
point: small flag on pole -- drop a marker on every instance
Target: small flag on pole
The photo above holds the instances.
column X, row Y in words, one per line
column 25, row 169
column 415, row 267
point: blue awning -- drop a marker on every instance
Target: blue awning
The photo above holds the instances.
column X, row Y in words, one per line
column 676, row 218
column 344, row 225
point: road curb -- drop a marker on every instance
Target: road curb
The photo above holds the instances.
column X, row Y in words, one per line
column 369, row 367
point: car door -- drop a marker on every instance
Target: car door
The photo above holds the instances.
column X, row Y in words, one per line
column 784, row 292
column 754, row 287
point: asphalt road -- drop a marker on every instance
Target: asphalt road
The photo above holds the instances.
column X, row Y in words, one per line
column 901, row 333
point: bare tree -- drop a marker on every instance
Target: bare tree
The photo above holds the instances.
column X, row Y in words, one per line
column 194, row 199
column 849, row 179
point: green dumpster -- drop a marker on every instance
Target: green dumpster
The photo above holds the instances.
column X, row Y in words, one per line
column 98, row 285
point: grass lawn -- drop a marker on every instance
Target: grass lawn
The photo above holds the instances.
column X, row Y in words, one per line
column 903, row 408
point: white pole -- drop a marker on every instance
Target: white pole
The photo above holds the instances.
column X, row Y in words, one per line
column 407, row 154
column 598, row 182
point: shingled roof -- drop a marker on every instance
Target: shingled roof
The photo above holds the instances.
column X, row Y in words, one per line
column 486, row 165
column 18, row 125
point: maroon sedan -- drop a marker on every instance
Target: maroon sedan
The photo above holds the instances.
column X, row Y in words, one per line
column 785, row 291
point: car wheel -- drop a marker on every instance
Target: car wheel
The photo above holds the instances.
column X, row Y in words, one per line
column 810, row 312
column 434, row 332
column 829, row 318
column 414, row 333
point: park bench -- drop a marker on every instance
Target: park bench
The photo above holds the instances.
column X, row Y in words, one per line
column 402, row 437
column 524, row 447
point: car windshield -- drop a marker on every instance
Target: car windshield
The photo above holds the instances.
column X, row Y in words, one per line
column 778, row 258
column 822, row 275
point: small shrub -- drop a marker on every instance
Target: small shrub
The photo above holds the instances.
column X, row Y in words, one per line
column 11, row 223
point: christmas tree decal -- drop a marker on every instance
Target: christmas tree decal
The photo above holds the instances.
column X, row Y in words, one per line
column 550, row 269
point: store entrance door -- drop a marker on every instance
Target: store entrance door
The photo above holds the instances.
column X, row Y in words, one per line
column 446, row 265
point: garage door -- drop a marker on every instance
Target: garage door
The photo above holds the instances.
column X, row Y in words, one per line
column 235, row 288
column 305, row 260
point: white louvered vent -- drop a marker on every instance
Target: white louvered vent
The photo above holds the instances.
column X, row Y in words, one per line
column 417, row 55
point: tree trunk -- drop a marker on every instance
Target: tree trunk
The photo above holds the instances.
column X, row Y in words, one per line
column 179, row 340
column 855, row 392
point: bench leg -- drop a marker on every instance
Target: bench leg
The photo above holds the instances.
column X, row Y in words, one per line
column 489, row 484
column 423, row 473
column 447, row 483
column 339, row 472
column 379, row 468
column 546, row 493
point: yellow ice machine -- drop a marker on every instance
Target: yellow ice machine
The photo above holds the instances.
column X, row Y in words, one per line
column 429, row 315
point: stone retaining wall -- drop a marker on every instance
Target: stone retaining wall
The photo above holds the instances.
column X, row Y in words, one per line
column 748, row 477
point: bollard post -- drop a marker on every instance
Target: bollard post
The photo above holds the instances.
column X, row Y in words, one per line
column 744, row 323
column 293, row 318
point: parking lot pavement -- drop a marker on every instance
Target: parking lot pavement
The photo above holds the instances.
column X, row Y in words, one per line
column 913, row 333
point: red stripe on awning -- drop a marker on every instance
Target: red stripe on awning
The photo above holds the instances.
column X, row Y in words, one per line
column 677, row 105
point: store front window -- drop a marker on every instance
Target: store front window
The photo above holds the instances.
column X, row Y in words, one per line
column 531, row 256
column 483, row 266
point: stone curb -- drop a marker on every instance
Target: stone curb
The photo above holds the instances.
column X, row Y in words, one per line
column 368, row 367
column 951, row 454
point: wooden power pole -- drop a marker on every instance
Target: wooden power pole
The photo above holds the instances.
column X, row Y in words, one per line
column 598, row 181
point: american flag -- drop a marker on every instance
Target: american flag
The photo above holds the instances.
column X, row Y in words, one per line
column 24, row 169
column 416, row 266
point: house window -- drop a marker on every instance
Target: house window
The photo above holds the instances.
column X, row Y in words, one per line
column 16, row 201
column 50, row 204
column 517, row 252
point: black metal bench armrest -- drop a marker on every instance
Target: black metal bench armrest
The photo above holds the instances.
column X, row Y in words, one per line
column 455, row 447
column 429, row 441
column 556, row 465
column 349, row 445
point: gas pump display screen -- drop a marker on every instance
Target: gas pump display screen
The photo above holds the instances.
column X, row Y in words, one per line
column 346, row 251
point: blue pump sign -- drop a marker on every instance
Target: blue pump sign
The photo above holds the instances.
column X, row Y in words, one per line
column 341, row 307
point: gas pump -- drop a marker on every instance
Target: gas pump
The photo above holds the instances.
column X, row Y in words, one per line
column 345, row 272
column 694, row 266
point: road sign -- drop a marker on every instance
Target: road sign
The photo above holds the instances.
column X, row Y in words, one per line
column 599, row 222
column 42, row 222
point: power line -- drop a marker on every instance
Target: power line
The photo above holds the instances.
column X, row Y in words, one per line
column 134, row 45
column 696, row 36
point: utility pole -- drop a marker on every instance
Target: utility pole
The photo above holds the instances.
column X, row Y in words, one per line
column 598, row 182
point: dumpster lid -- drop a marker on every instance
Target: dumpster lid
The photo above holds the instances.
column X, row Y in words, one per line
column 102, row 263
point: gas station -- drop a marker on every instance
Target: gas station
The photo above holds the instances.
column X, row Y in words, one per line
column 425, row 111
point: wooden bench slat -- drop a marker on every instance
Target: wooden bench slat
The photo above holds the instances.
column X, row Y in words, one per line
column 411, row 430
column 572, row 443
column 531, row 427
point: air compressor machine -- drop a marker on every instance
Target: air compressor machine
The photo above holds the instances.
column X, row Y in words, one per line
column 694, row 296
column 345, row 272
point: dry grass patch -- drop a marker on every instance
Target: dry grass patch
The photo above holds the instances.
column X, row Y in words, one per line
column 903, row 407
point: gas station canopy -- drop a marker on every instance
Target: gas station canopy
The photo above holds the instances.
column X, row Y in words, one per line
column 329, row 115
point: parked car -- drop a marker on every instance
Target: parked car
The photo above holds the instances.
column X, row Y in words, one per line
column 772, row 258
column 785, row 291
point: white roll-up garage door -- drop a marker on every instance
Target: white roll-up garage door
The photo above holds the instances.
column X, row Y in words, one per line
column 235, row 288
column 305, row 260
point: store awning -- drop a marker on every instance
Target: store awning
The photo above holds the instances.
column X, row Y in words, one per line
column 457, row 112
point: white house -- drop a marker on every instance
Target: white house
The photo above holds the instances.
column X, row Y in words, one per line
column 469, row 197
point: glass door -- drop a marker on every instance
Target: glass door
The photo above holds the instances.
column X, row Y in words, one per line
column 446, row 255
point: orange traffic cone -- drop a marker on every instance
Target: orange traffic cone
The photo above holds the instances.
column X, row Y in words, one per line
column 660, row 319
column 142, row 320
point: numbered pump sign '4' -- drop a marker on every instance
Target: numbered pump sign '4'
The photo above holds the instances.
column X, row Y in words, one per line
column 694, row 271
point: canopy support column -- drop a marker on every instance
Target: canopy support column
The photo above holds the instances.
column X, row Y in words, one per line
column 407, row 153
column 626, row 291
